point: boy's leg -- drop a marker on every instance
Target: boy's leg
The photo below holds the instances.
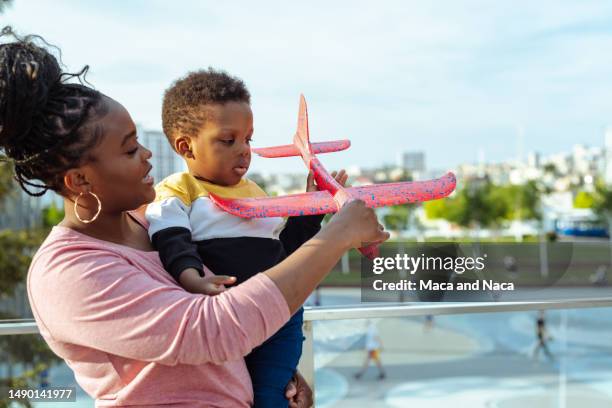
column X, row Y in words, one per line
column 272, row 364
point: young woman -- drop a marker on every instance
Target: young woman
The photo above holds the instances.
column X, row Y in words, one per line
column 98, row 291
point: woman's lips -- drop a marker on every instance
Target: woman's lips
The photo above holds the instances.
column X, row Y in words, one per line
column 148, row 179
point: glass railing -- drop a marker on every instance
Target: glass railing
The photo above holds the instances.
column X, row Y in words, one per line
column 476, row 355
column 431, row 355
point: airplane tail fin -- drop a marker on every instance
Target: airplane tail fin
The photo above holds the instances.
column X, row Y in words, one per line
column 301, row 140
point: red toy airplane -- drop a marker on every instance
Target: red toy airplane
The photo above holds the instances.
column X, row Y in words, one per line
column 332, row 195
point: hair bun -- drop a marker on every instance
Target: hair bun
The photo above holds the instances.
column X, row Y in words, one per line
column 28, row 74
column 42, row 116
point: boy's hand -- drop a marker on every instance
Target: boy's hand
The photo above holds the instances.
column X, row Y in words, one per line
column 213, row 285
column 341, row 177
column 191, row 280
column 298, row 392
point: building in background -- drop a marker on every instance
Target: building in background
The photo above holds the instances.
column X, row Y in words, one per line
column 414, row 162
column 165, row 160
column 22, row 211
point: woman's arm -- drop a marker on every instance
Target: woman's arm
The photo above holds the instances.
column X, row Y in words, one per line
column 98, row 299
column 299, row 274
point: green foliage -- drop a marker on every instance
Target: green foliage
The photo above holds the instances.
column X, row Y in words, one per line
column 29, row 352
column 551, row 168
column 436, row 209
column 482, row 203
column 32, row 353
column 51, row 216
column 398, row 217
column 584, row 200
column 7, row 184
column 17, row 249
column 602, row 201
column 530, row 201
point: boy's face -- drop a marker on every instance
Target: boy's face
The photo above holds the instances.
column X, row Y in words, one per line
column 221, row 152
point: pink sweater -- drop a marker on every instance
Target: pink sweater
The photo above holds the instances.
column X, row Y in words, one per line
column 132, row 336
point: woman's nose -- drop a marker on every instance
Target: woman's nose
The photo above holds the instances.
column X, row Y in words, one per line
column 147, row 153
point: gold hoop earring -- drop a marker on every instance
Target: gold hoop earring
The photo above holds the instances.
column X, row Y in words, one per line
column 76, row 212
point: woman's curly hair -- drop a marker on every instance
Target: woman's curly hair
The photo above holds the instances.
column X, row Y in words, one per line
column 44, row 119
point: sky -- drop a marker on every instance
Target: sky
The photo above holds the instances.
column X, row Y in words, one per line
column 450, row 78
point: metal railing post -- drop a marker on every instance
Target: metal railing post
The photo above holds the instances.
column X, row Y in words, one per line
column 306, row 365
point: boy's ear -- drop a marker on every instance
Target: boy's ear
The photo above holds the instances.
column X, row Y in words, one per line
column 182, row 144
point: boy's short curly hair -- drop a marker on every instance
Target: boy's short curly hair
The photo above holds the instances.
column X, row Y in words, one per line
column 184, row 100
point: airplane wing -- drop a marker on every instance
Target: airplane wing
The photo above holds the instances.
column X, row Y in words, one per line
column 317, row 202
column 382, row 195
column 322, row 202
column 291, row 150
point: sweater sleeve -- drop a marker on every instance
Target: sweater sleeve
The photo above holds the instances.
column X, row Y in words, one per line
column 299, row 230
column 98, row 299
column 170, row 233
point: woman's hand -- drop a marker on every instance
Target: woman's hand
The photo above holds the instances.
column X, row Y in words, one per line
column 357, row 224
column 340, row 176
column 298, row 392
column 363, row 226
column 353, row 226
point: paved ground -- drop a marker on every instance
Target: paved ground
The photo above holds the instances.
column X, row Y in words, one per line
column 482, row 360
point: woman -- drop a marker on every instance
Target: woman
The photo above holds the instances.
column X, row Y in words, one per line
column 98, row 291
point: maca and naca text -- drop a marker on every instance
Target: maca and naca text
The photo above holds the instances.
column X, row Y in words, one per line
column 413, row 264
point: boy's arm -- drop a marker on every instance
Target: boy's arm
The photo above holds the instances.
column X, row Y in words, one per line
column 170, row 233
column 299, row 230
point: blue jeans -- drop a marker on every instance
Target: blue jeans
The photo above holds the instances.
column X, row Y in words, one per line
column 273, row 363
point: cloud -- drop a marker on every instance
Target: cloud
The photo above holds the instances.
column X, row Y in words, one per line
column 445, row 77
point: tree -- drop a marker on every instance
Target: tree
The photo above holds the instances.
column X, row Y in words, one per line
column 602, row 203
column 51, row 216
column 531, row 195
column 397, row 218
column 29, row 352
column 482, row 204
column 476, row 205
column 584, row 200
column 436, row 208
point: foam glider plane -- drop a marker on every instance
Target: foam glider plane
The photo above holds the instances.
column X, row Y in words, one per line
column 331, row 195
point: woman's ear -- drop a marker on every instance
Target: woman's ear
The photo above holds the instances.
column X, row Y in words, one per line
column 75, row 182
column 182, row 144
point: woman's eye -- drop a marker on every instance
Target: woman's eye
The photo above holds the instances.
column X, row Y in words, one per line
column 132, row 152
column 228, row 141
